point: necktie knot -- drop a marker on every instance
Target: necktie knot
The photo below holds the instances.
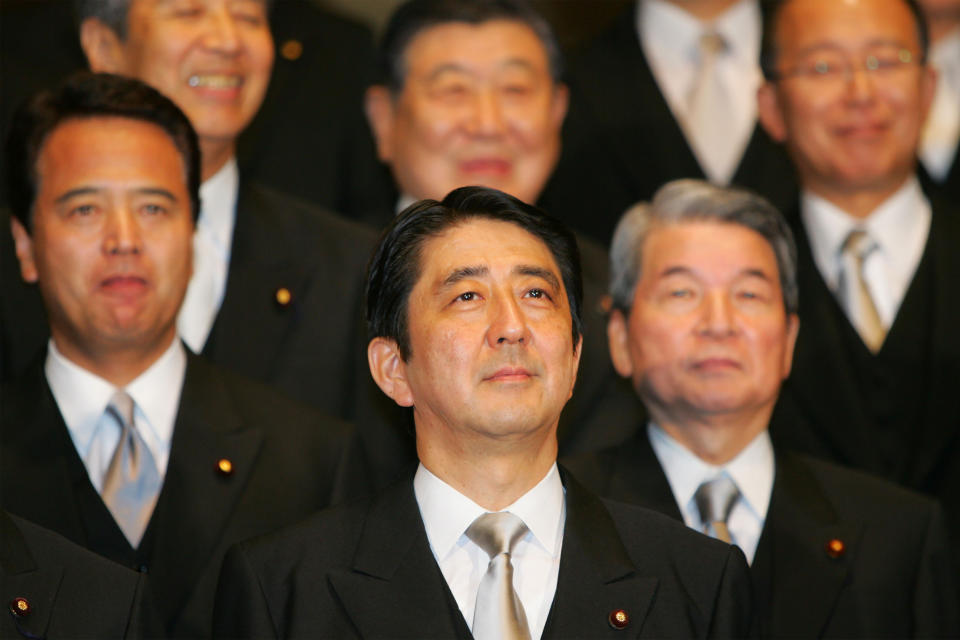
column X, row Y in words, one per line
column 858, row 244
column 121, row 408
column 715, row 500
column 496, row 533
column 712, row 44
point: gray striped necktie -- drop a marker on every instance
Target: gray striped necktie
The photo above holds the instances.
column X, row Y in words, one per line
column 499, row 613
column 132, row 482
column 715, row 499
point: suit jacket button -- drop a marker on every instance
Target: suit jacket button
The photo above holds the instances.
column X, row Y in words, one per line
column 618, row 619
column 836, row 548
column 283, row 296
column 20, row 607
column 224, row 467
column 291, row 49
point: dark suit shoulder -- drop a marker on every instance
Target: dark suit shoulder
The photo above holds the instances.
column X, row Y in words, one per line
column 71, row 592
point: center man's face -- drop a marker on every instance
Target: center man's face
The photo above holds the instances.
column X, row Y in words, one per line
column 478, row 107
column 491, row 350
column 707, row 333
column 111, row 246
column 213, row 58
column 853, row 95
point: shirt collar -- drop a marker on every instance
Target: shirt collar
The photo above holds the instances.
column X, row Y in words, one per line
column 667, row 27
column 901, row 218
column 82, row 396
column 447, row 513
column 218, row 206
column 752, row 469
column 404, row 201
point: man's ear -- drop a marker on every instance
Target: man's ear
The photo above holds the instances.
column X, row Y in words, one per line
column 618, row 340
column 102, row 47
column 378, row 105
column 559, row 105
column 770, row 113
column 793, row 328
column 23, row 245
column 389, row 370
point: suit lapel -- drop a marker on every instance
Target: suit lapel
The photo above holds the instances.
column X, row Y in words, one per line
column 395, row 586
column 252, row 323
column 793, row 572
column 597, row 576
column 637, row 477
column 23, row 578
column 943, row 406
column 197, row 499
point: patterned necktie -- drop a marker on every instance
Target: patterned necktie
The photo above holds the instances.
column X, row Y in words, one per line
column 132, row 482
column 710, row 113
column 715, row 499
column 499, row 614
column 855, row 295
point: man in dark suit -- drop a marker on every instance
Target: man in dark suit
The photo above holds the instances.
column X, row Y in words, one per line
column 873, row 384
column 651, row 102
column 57, row 589
column 470, row 94
column 119, row 438
column 475, row 303
column 704, row 325
column 266, row 265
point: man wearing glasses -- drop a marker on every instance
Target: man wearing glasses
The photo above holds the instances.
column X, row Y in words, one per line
column 874, row 381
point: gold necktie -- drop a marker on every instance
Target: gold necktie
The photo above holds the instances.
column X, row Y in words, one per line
column 857, row 300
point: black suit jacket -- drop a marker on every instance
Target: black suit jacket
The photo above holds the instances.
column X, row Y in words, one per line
column 306, row 348
column 893, row 578
column 621, row 141
column 287, row 462
column 70, row 592
column 374, row 576
column 821, row 410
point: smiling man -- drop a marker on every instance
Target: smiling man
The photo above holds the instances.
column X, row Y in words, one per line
column 847, row 92
column 705, row 320
column 118, row 438
column 265, row 265
column 474, row 305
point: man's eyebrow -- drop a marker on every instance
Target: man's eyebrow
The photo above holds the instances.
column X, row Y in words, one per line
column 756, row 273
column 445, row 68
column 538, row 272
column 462, row 273
column 85, row 191
column 157, row 191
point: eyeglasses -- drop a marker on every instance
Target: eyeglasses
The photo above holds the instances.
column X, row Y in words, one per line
column 833, row 67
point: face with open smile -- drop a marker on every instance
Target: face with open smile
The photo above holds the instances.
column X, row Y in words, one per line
column 111, row 242
column 707, row 333
column 491, row 350
column 213, row 58
column 857, row 125
column 478, row 107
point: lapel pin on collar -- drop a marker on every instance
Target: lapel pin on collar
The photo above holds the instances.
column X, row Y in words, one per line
column 20, row 607
column 283, row 296
column 292, row 49
column 618, row 619
column 224, row 467
column 835, row 548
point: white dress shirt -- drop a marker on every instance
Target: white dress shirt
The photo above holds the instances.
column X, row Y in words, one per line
column 752, row 471
column 670, row 39
column 212, row 243
column 941, row 133
column 447, row 514
column 899, row 226
column 82, row 398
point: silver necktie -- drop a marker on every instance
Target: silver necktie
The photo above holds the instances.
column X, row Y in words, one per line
column 855, row 295
column 715, row 499
column 710, row 112
column 132, row 482
column 499, row 613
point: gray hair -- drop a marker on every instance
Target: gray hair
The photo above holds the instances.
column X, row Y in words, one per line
column 112, row 13
column 683, row 201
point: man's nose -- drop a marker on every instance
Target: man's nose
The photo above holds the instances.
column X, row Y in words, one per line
column 508, row 324
column 718, row 315
column 122, row 234
column 222, row 33
column 487, row 115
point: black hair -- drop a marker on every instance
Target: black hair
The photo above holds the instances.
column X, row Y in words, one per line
column 91, row 95
column 416, row 15
column 396, row 264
